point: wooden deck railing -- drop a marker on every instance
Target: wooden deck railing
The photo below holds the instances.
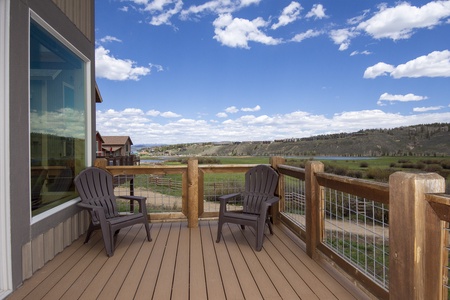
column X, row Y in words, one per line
column 412, row 216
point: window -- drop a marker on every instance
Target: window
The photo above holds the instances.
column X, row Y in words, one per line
column 58, row 112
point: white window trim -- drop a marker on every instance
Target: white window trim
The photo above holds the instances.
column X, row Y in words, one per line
column 5, row 212
column 88, row 117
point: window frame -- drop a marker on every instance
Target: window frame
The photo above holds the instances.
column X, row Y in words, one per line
column 88, row 109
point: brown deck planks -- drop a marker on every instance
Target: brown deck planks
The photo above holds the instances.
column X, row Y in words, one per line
column 183, row 263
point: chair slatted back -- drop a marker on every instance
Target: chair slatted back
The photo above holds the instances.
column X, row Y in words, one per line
column 95, row 187
column 260, row 184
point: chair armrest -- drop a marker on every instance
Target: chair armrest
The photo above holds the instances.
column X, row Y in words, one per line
column 139, row 199
column 96, row 211
column 268, row 203
column 224, row 200
column 228, row 197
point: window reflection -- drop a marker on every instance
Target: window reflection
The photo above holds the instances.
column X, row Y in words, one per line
column 57, row 119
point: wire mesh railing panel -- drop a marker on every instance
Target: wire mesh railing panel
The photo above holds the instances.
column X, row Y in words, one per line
column 357, row 229
column 163, row 192
column 294, row 206
column 220, row 184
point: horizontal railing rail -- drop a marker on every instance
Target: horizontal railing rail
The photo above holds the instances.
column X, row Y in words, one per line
column 378, row 233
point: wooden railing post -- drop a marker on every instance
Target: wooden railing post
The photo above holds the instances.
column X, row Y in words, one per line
column 101, row 163
column 314, row 218
column 412, row 250
column 275, row 209
column 192, row 174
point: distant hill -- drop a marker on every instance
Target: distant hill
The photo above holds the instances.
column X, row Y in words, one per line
column 418, row 140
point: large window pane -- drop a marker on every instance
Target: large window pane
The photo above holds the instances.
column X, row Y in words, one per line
column 57, row 119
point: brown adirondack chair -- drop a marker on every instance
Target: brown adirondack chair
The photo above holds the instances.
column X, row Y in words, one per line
column 260, row 184
column 95, row 187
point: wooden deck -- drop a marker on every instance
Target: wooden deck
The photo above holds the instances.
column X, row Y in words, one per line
column 183, row 263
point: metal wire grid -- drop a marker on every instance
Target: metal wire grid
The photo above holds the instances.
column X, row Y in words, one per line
column 216, row 185
column 357, row 229
column 163, row 192
column 294, row 201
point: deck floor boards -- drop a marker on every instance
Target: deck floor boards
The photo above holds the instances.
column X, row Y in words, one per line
column 183, row 263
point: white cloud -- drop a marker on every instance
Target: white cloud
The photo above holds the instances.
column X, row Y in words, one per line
column 237, row 32
column 435, row 64
column 124, row 8
column 217, row 7
column 290, row 14
column 425, row 109
column 365, row 52
column 109, row 38
column 342, row 37
column 401, row 98
column 169, row 114
column 247, row 109
column 317, row 12
column 164, row 17
column 399, row 22
column 221, row 115
column 231, row 109
column 380, row 69
column 306, row 35
column 142, row 129
column 109, row 67
column 153, row 113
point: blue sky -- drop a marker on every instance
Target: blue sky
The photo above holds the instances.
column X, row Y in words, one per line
column 198, row 71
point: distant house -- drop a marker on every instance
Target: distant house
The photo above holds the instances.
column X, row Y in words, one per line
column 99, row 144
column 116, row 145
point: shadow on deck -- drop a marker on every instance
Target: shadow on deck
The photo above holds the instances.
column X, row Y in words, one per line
column 183, row 263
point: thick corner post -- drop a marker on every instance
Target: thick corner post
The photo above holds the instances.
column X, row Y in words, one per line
column 192, row 174
column 314, row 218
column 413, row 226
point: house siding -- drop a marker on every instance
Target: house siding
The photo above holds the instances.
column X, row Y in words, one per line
column 30, row 246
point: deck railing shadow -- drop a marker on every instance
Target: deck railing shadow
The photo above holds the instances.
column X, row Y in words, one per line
column 380, row 234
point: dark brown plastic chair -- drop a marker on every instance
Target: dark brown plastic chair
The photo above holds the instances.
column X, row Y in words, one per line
column 95, row 187
column 259, row 195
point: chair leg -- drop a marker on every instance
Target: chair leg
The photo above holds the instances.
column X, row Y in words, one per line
column 270, row 226
column 108, row 239
column 147, row 228
column 219, row 231
column 89, row 233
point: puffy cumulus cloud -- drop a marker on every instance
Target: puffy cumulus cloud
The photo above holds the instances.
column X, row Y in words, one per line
column 142, row 129
column 317, row 12
column 217, row 7
column 109, row 67
column 221, row 115
column 237, row 32
column 425, row 109
column 232, row 109
column 342, row 37
column 153, row 113
column 306, row 35
column 289, row 14
column 400, row 98
column 435, row 64
column 399, row 22
column 256, row 108
column 380, row 69
column 169, row 114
